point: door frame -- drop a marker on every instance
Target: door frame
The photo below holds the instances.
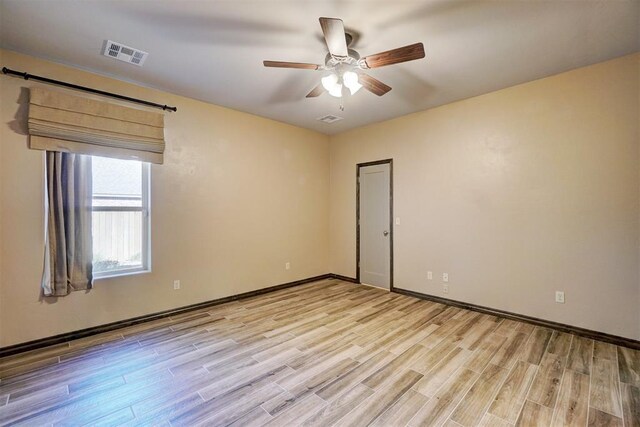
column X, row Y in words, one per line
column 358, row 166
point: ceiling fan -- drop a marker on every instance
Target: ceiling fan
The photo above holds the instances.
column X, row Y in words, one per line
column 345, row 67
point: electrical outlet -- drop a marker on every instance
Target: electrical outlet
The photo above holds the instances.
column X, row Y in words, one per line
column 176, row 285
column 397, row 220
column 445, row 277
column 445, row 289
column 560, row 297
column 287, row 266
column 429, row 275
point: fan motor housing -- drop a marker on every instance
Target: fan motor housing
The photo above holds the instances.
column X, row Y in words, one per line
column 352, row 54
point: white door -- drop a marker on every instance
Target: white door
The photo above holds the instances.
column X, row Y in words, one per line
column 375, row 231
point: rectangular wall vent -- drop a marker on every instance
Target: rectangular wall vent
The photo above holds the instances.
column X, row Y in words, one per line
column 124, row 53
column 329, row 119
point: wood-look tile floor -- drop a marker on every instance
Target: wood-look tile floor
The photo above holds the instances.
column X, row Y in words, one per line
column 327, row 353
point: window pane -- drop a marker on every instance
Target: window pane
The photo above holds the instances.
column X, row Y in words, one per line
column 118, row 233
column 117, row 241
column 117, row 182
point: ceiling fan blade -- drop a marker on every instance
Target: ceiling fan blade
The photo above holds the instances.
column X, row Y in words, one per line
column 317, row 91
column 282, row 64
column 333, row 30
column 394, row 56
column 373, row 85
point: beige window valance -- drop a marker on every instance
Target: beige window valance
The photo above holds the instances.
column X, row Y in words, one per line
column 63, row 122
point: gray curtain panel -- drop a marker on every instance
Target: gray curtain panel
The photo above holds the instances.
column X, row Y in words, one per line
column 68, row 241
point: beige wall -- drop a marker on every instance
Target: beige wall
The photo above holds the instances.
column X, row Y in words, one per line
column 515, row 194
column 237, row 197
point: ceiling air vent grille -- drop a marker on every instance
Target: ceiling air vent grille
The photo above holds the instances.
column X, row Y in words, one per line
column 124, row 53
column 329, row 118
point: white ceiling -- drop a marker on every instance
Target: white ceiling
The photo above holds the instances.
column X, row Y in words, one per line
column 213, row 50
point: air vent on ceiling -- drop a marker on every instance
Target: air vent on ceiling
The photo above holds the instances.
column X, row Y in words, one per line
column 329, row 119
column 124, row 53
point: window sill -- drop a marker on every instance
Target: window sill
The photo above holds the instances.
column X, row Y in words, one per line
column 115, row 274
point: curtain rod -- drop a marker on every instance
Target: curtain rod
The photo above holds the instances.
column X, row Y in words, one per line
column 28, row 76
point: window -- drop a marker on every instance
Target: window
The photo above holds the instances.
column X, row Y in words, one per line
column 120, row 217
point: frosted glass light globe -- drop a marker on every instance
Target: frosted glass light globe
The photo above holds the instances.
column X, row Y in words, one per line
column 350, row 80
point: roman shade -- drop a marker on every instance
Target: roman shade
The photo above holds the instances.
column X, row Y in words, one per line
column 67, row 123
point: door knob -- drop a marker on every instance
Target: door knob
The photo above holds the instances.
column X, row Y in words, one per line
column 385, row 233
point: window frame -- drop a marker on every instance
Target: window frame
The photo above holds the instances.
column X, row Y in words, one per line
column 146, row 227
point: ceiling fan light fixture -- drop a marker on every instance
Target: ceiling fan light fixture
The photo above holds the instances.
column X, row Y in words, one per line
column 350, row 80
column 329, row 81
column 336, row 91
column 332, row 84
